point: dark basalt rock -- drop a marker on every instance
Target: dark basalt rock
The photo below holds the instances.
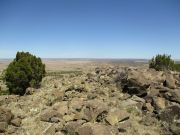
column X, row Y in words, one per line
column 170, row 114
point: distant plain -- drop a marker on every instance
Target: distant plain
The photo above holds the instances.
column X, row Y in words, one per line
column 82, row 64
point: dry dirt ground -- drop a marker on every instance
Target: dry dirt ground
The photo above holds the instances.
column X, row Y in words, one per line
column 95, row 97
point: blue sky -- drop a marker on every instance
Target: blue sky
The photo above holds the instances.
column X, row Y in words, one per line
column 90, row 28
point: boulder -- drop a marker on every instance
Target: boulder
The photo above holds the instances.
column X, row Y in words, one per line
column 138, row 77
column 128, row 103
column 11, row 130
column 91, row 96
column 153, row 92
column 49, row 115
column 115, row 115
column 69, row 95
column 69, row 117
column 170, row 114
column 154, row 76
column 138, row 81
column 163, row 89
column 29, row 91
column 61, row 107
column 148, row 120
column 59, row 133
column 50, row 130
column 16, row 122
column 175, row 129
column 132, row 87
column 3, row 127
column 5, row 115
column 55, row 120
column 136, row 84
column 171, row 119
column 72, row 126
column 6, row 99
column 98, row 70
column 85, row 130
column 159, row 103
column 148, row 107
column 170, row 82
column 149, row 99
column 173, row 95
column 76, row 87
column 76, row 104
column 105, row 79
column 138, row 99
column 94, row 129
column 91, row 75
column 124, row 126
column 93, row 109
column 56, row 95
column 57, row 84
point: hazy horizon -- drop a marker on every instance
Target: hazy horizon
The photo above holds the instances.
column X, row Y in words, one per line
column 101, row 29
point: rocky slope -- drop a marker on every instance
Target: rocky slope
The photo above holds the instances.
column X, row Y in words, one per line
column 101, row 101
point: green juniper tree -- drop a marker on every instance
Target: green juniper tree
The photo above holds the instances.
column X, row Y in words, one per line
column 26, row 70
column 162, row 63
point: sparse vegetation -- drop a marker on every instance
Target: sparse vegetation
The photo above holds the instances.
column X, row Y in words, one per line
column 162, row 63
column 4, row 92
column 25, row 71
column 60, row 73
column 177, row 67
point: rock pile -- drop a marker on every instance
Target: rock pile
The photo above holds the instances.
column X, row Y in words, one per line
column 102, row 101
column 160, row 92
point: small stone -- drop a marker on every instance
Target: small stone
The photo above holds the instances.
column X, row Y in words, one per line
column 47, row 115
column 61, row 107
column 3, row 127
column 59, row 95
column 138, row 99
column 59, row 133
column 55, row 120
column 76, row 104
column 91, row 96
column 175, row 129
column 5, row 115
column 115, row 115
column 171, row 114
column 55, row 96
column 30, row 91
column 94, row 129
column 72, row 126
column 170, row 81
column 124, row 126
column 50, row 130
column 55, row 85
column 16, row 122
column 160, row 103
column 148, row 120
column 69, row 117
column 11, row 129
column 84, row 130
column 93, row 109
column 149, row 107
column 173, row 95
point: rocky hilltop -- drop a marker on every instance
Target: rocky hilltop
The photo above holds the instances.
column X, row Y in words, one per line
column 101, row 101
